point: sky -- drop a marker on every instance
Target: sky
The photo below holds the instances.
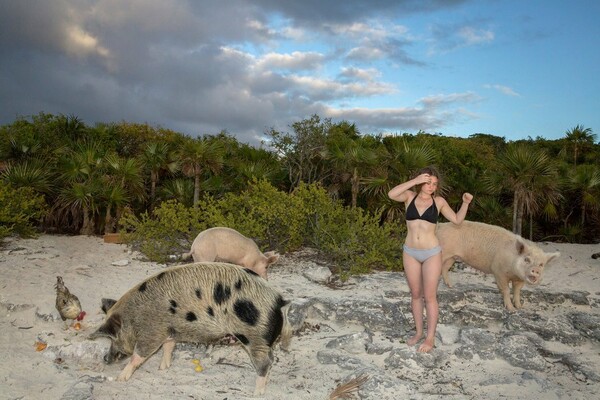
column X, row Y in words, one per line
column 508, row 68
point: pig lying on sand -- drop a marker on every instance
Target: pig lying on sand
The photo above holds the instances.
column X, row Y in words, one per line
column 197, row 303
column 494, row 250
column 226, row 244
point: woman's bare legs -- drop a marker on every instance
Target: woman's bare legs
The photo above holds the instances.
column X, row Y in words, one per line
column 431, row 269
column 412, row 270
column 423, row 280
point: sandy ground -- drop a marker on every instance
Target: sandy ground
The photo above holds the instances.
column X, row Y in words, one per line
column 70, row 367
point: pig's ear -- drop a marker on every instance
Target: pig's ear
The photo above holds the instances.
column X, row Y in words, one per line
column 109, row 329
column 520, row 247
column 272, row 257
column 551, row 256
column 107, row 304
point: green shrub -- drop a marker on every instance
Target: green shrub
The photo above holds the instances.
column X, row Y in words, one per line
column 353, row 239
column 169, row 231
column 269, row 216
column 20, row 210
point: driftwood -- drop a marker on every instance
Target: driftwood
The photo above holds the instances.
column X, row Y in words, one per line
column 346, row 390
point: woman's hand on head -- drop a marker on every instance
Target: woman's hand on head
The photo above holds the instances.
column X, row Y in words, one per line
column 424, row 178
column 467, row 198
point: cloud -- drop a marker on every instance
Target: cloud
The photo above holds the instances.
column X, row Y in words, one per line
column 446, row 38
column 433, row 113
column 295, row 61
column 502, row 89
column 200, row 67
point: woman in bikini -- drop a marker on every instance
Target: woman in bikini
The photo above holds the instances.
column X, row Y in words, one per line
column 422, row 253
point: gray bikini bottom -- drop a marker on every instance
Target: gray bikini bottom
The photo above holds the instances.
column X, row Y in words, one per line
column 421, row 255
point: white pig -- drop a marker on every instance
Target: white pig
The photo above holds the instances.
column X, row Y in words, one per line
column 494, row 250
column 228, row 245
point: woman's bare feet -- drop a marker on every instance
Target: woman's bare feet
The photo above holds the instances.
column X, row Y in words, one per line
column 426, row 346
column 413, row 340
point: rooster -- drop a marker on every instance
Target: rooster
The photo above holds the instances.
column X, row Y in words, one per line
column 67, row 304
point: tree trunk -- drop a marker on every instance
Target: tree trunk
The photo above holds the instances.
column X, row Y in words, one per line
column 196, row 189
column 520, row 219
column 354, row 187
column 515, row 211
column 108, row 221
column 88, row 224
column 153, row 179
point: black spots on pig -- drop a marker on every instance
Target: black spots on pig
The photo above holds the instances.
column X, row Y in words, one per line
column 199, row 294
column 210, row 311
column 242, row 338
column 248, row 270
column 275, row 322
column 173, row 308
column 190, row 316
column 172, row 332
column 221, row 293
column 143, row 287
column 246, row 311
column 238, row 285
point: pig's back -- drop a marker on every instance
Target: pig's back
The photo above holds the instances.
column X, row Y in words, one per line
column 476, row 243
column 221, row 297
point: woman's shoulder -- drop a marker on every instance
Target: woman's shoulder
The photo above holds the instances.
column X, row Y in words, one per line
column 440, row 201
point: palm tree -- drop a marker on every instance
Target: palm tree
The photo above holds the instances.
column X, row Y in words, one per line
column 532, row 178
column 33, row 174
column 350, row 159
column 124, row 184
column 81, row 186
column 199, row 156
column 180, row 189
column 157, row 158
column 579, row 137
column 585, row 180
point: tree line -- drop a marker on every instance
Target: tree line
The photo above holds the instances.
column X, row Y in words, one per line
column 89, row 176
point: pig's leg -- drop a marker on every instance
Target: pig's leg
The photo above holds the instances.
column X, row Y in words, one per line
column 134, row 363
column 262, row 359
column 517, row 285
column 502, row 283
column 446, row 265
column 167, row 347
column 140, row 354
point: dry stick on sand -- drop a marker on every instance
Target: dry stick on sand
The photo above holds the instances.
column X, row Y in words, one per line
column 345, row 390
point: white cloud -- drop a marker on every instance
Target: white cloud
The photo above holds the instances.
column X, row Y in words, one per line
column 471, row 36
column 294, row 61
column 502, row 89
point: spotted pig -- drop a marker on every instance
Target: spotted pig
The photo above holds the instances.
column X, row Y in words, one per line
column 200, row 303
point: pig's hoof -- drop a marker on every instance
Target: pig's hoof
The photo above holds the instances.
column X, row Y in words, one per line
column 123, row 377
column 164, row 365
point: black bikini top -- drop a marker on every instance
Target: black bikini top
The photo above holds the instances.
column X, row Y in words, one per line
column 429, row 215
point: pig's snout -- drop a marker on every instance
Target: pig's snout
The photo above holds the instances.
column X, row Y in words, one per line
column 534, row 275
column 111, row 357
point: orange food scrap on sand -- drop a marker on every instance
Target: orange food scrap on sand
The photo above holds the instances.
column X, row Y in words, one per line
column 40, row 346
column 77, row 326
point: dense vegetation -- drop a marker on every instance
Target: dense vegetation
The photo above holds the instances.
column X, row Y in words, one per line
column 68, row 177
